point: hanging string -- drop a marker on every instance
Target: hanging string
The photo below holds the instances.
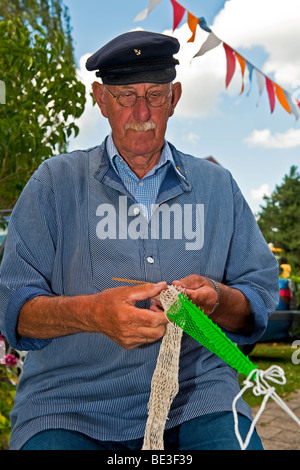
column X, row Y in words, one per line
column 261, row 386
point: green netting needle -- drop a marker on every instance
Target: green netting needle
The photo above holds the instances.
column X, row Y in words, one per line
column 195, row 323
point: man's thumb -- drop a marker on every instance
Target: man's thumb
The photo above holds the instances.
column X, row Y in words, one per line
column 145, row 291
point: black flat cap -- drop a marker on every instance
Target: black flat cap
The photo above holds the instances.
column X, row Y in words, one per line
column 136, row 57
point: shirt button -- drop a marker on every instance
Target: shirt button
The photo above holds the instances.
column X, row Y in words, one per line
column 136, row 211
column 150, row 260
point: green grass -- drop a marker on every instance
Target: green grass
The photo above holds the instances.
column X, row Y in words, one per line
column 265, row 355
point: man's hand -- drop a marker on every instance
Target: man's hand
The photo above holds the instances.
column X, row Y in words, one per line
column 233, row 312
column 112, row 312
column 116, row 316
column 200, row 290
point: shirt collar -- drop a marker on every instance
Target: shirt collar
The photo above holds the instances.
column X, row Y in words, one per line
column 166, row 156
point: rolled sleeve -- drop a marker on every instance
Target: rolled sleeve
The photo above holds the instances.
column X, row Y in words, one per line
column 27, row 265
column 11, row 316
column 260, row 315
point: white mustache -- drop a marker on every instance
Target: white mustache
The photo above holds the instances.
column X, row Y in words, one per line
column 142, row 127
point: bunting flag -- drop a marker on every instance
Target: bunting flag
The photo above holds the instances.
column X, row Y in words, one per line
column 211, row 42
column 289, row 103
column 250, row 72
column 203, row 25
column 230, row 57
column 260, row 81
column 242, row 63
column 271, row 93
column 179, row 11
column 274, row 91
column 143, row 14
column 293, row 106
column 282, row 98
column 193, row 23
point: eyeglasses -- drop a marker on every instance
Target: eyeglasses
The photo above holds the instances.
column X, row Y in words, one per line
column 128, row 98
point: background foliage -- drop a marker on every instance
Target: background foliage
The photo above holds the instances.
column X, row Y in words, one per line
column 43, row 95
column 42, row 99
column 279, row 219
column 7, row 393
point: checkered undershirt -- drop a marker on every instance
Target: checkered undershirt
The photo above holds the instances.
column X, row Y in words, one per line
column 143, row 190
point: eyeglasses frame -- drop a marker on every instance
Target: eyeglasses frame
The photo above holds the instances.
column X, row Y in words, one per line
column 116, row 97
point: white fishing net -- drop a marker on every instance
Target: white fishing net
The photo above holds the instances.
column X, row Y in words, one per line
column 164, row 385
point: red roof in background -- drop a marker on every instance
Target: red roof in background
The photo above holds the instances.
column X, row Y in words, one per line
column 211, row 159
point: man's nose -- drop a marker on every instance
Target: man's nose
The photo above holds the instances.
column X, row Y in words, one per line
column 142, row 109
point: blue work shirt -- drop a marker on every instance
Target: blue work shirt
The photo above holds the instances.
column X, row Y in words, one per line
column 73, row 229
column 145, row 190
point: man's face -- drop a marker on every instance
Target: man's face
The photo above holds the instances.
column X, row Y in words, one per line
column 140, row 129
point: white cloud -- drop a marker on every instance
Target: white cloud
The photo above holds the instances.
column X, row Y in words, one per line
column 248, row 23
column 201, row 81
column 192, row 138
column 91, row 123
column 202, row 78
column 272, row 24
column 258, row 194
column 264, row 138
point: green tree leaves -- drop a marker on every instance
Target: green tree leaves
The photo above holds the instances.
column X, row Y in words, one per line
column 279, row 219
column 43, row 95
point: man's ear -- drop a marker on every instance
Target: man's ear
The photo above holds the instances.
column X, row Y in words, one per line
column 98, row 92
column 176, row 94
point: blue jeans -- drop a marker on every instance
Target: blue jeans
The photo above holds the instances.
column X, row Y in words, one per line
column 209, row 432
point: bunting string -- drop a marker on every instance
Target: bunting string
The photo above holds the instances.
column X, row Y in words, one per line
column 274, row 91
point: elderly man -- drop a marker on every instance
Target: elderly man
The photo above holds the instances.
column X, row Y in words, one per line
column 88, row 217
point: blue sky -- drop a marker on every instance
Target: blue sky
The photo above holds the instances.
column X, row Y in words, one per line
column 239, row 131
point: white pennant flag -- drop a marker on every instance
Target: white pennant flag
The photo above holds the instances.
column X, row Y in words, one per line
column 211, row 42
column 142, row 15
column 260, row 81
column 293, row 107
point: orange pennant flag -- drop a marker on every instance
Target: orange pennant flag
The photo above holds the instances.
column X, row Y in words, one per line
column 192, row 22
column 282, row 98
column 242, row 63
